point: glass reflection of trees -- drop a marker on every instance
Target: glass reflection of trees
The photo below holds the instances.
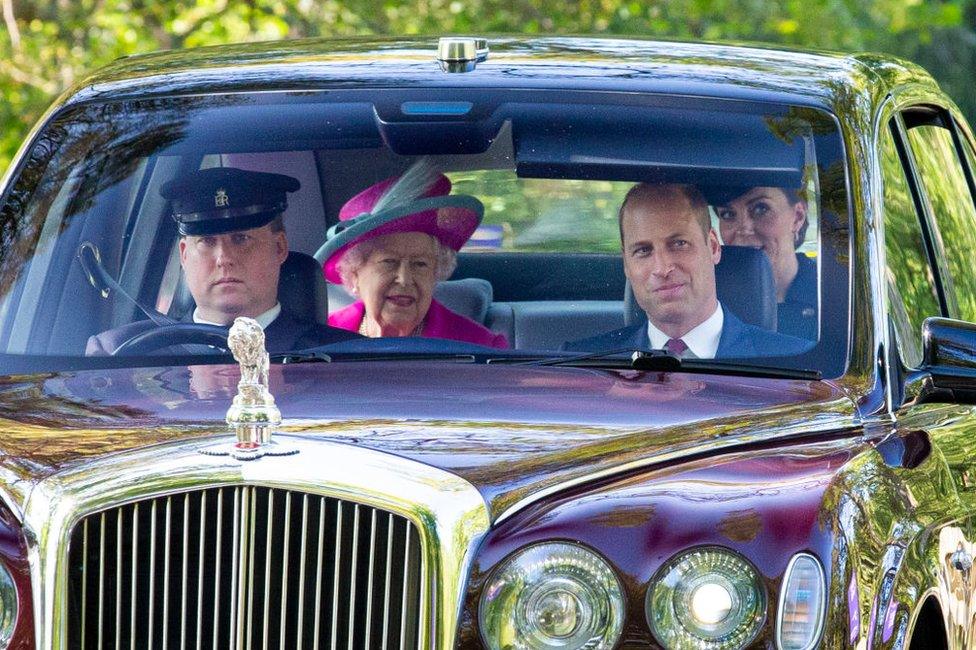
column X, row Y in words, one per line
column 545, row 215
column 952, row 206
column 912, row 286
column 92, row 147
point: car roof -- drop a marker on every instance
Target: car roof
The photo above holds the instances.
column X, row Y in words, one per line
column 732, row 71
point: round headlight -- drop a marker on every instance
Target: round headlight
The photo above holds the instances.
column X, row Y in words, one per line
column 708, row 599
column 8, row 606
column 554, row 595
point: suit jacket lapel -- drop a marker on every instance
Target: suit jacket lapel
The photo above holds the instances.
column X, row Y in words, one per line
column 637, row 337
column 280, row 334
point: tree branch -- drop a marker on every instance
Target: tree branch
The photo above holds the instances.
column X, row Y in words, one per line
column 9, row 69
column 11, row 22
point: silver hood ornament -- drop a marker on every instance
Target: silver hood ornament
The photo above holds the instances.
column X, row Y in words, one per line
column 253, row 414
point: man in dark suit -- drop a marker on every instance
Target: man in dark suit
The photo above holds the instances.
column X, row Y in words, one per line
column 670, row 251
column 232, row 244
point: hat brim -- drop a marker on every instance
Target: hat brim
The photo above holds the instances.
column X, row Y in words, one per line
column 224, row 224
column 450, row 219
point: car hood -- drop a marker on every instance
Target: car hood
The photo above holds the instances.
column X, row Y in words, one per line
column 512, row 431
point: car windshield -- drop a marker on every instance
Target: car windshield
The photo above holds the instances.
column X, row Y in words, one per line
column 90, row 242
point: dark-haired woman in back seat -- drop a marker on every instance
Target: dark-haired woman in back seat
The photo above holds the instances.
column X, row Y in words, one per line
column 775, row 220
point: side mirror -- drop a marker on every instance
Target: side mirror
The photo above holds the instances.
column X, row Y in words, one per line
column 949, row 359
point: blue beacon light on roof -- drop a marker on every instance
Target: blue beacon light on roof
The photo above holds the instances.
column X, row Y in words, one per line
column 436, row 108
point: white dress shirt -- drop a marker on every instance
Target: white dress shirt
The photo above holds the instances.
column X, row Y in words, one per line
column 702, row 340
column 263, row 320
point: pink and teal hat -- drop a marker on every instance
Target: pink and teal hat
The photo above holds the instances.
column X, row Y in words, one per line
column 428, row 208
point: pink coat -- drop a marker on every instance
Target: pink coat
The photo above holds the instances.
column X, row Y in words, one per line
column 442, row 323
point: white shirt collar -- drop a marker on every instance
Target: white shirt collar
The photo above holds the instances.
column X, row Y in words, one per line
column 702, row 340
column 263, row 320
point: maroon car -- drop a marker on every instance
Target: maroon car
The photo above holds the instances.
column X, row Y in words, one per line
column 555, row 480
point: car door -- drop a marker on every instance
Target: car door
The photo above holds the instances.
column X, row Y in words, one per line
column 930, row 234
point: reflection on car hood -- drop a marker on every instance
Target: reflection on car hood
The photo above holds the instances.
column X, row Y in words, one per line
column 510, row 431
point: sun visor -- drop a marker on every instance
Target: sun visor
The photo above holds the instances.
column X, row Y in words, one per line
column 660, row 145
column 233, row 124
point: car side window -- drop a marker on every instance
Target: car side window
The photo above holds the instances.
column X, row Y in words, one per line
column 911, row 282
column 967, row 147
column 943, row 179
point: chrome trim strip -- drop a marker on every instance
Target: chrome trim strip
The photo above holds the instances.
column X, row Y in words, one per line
column 335, row 575
column 301, row 572
column 406, row 584
column 421, row 569
column 217, row 572
column 286, row 544
column 236, row 574
column 318, row 574
column 200, row 563
column 132, row 586
column 266, row 613
column 167, row 536
column 369, row 578
column 118, row 581
column 186, row 556
column 352, row 574
column 84, row 581
column 251, row 532
column 152, row 570
column 450, row 514
column 101, row 580
column 386, row 589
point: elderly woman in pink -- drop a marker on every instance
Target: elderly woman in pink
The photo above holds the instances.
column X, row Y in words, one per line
column 393, row 242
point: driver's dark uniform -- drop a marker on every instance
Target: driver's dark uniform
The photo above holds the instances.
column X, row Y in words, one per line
column 285, row 333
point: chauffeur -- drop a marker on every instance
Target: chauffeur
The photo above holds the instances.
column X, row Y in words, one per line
column 232, row 244
column 670, row 251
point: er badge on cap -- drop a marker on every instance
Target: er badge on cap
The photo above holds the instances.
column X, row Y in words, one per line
column 221, row 200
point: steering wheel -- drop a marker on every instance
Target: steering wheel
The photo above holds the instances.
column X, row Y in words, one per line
column 176, row 334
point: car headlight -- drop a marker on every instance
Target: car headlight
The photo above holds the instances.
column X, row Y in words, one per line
column 553, row 595
column 708, row 599
column 8, row 606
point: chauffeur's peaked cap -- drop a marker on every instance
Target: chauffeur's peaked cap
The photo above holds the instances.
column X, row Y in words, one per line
column 225, row 199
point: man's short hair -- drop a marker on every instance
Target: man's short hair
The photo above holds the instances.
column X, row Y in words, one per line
column 643, row 191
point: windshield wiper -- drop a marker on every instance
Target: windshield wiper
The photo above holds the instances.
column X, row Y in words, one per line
column 662, row 361
column 648, row 360
column 301, row 357
column 335, row 357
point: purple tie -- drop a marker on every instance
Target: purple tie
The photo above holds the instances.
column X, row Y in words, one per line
column 676, row 347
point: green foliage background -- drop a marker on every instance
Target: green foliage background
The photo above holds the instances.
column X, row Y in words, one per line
column 47, row 45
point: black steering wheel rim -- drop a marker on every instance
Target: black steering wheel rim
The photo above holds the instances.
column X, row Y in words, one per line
column 176, row 334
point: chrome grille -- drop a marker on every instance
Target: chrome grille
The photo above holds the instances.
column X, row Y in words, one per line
column 244, row 567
